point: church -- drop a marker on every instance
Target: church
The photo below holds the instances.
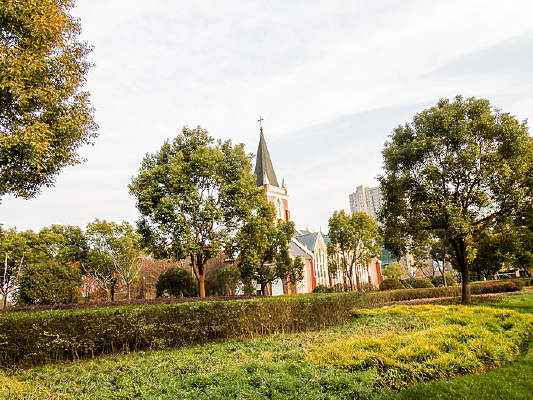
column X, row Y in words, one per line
column 310, row 246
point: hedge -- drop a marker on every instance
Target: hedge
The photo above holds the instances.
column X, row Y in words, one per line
column 31, row 338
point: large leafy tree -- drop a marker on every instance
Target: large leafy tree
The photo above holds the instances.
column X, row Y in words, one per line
column 458, row 169
column 44, row 115
column 354, row 240
column 193, row 196
column 263, row 249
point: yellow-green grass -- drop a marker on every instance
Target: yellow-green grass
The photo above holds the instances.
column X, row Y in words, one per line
column 365, row 358
column 457, row 340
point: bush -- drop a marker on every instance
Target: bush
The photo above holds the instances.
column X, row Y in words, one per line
column 498, row 286
column 49, row 283
column 176, row 282
column 391, row 284
column 394, row 271
column 322, row 289
column 419, row 283
column 439, row 281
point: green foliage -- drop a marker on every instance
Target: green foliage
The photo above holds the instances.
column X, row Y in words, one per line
column 418, row 283
column 49, row 282
column 500, row 286
column 439, row 280
column 193, row 196
column 44, row 115
column 354, row 241
column 13, row 250
column 176, row 282
column 227, row 280
column 296, row 272
column 24, row 252
column 458, row 169
column 391, row 284
column 322, row 289
column 262, row 249
column 394, row 271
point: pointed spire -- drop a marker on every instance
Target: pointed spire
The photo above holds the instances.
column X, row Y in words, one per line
column 263, row 165
column 283, row 186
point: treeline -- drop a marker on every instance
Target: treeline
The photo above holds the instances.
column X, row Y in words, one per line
column 66, row 264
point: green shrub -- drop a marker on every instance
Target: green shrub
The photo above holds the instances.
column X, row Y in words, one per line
column 49, row 282
column 391, row 284
column 498, row 286
column 323, row 289
column 405, row 284
column 439, row 281
column 176, row 282
column 419, row 283
column 394, row 271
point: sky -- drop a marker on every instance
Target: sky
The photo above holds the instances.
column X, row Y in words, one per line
column 332, row 79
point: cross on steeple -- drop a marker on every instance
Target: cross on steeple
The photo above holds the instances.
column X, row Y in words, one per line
column 260, row 125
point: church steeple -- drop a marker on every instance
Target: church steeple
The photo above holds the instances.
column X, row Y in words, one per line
column 263, row 165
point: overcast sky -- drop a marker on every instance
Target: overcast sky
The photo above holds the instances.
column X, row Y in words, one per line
column 332, row 79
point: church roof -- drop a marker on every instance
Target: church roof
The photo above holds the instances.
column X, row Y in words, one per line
column 308, row 240
column 263, row 165
column 296, row 250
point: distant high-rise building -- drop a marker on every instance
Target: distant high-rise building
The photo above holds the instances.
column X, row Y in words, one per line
column 366, row 199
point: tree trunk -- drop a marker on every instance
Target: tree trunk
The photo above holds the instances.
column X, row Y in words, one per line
column 459, row 245
column 112, row 291
column 201, row 284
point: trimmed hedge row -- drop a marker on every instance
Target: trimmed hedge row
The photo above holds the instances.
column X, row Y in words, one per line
column 30, row 338
column 35, row 338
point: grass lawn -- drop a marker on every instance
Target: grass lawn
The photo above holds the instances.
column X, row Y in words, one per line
column 380, row 349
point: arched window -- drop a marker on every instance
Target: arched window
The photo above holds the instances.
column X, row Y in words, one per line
column 279, row 209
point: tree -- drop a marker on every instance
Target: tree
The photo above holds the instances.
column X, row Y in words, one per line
column 296, row 273
column 49, row 282
column 227, row 280
column 193, row 196
column 262, row 248
column 114, row 255
column 176, row 282
column 13, row 250
column 354, row 241
column 394, row 271
column 44, row 115
column 458, row 168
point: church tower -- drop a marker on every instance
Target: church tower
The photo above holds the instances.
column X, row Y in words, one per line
column 266, row 177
